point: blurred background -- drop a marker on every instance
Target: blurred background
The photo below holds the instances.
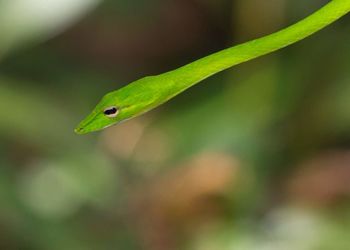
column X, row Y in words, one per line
column 255, row 158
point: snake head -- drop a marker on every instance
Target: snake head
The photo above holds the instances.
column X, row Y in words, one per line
column 120, row 105
column 107, row 113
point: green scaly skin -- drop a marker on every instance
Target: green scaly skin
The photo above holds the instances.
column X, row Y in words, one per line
column 150, row 92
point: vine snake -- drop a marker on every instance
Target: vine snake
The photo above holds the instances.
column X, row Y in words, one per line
column 149, row 92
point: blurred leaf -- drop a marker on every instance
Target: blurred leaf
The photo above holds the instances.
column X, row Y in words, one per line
column 23, row 21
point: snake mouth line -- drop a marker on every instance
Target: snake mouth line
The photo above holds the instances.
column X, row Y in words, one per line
column 81, row 128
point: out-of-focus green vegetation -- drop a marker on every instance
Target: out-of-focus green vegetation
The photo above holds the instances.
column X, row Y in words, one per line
column 254, row 158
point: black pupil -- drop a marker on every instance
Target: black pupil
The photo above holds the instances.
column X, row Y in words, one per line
column 110, row 111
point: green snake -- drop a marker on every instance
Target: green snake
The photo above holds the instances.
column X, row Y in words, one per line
column 149, row 92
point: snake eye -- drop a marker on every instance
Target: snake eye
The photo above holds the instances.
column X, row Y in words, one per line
column 111, row 112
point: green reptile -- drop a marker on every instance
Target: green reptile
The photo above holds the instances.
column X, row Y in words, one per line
column 147, row 93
